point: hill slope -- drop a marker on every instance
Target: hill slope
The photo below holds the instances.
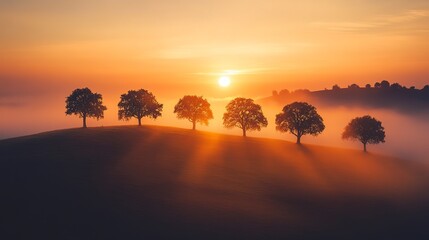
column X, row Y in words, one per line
column 158, row 182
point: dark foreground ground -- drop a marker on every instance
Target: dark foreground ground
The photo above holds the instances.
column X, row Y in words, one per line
column 167, row 183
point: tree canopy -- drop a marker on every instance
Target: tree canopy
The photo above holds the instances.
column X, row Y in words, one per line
column 299, row 118
column 84, row 103
column 138, row 104
column 245, row 114
column 195, row 109
column 366, row 129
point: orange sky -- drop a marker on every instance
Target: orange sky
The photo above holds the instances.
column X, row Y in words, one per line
column 173, row 48
column 186, row 45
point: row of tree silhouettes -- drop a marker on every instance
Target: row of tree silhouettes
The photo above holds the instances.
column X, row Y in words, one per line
column 297, row 118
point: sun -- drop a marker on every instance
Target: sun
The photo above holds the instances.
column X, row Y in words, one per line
column 224, row 81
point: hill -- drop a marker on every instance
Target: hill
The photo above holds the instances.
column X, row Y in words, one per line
column 168, row 183
column 382, row 95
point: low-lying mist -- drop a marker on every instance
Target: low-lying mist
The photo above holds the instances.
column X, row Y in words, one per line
column 406, row 134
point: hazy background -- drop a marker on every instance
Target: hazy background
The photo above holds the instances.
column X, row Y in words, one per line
column 165, row 45
column 173, row 48
column 406, row 135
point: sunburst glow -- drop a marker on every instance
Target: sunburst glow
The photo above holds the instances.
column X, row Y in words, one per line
column 224, row 81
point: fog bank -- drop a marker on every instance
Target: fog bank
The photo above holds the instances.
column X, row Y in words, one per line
column 406, row 135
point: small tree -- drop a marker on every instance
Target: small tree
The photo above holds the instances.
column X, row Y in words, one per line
column 284, row 92
column 384, row 84
column 377, row 85
column 245, row 114
column 299, row 118
column 195, row 109
column 366, row 129
column 84, row 103
column 354, row 86
column 275, row 93
column 138, row 104
column 396, row 86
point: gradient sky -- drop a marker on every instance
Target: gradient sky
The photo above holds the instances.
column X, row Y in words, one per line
column 186, row 45
column 173, row 48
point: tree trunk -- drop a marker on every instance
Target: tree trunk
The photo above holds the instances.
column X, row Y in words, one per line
column 244, row 132
column 193, row 125
column 364, row 147
column 84, row 121
column 298, row 139
column 140, row 121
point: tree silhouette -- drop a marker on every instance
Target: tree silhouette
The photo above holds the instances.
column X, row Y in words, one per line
column 299, row 118
column 396, row 86
column 336, row 87
column 366, row 129
column 195, row 109
column 84, row 103
column 245, row 114
column 377, row 85
column 138, row 104
column 384, row 84
column 354, row 86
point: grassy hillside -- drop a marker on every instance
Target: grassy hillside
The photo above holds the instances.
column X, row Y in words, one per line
column 158, row 182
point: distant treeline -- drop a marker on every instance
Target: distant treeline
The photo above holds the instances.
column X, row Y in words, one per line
column 380, row 95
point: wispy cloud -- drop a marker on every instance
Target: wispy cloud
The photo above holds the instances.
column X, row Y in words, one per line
column 376, row 23
column 10, row 104
column 225, row 49
column 233, row 72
